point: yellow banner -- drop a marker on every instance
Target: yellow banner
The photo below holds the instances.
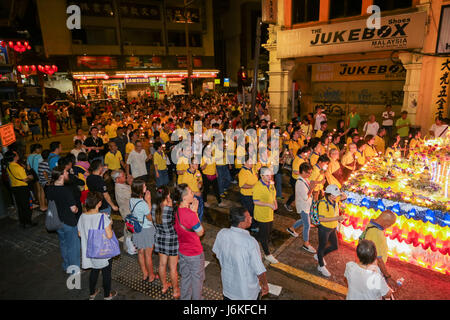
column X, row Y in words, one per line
column 358, row 71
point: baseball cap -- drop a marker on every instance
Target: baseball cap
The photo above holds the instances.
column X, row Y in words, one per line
column 333, row 190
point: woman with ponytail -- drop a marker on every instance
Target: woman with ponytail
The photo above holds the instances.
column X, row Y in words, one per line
column 166, row 242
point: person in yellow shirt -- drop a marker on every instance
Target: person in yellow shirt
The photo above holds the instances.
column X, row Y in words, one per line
column 295, row 143
column 334, row 172
column 380, row 144
column 133, row 136
column 19, row 187
column 182, row 164
column 328, row 210
column 209, row 170
column 306, row 128
column 160, row 162
column 264, row 199
column 111, row 129
column 370, row 151
column 301, row 157
column 336, row 139
column 113, row 158
column 164, row 134
column 360, row 158
column 316, row 147
column 248, row 177
column 318, row 176
column 323, row 129
column 193, row 178
column 349, row 161
column 416, row 144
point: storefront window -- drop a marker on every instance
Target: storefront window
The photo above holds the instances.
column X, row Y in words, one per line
column 305, row 10
column 386, row 5
column 345, row 8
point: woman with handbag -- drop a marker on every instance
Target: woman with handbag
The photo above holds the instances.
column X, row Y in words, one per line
column 166, row 239
column 88, row 221
column 140, row 204
column 19, row 180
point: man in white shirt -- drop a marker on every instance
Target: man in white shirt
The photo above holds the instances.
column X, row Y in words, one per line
column 136, row 162
column 303, row 201
column 388, row 122
column 243, row 272
column 320, row 116
column 123, row 196
column 371, row 127
column 439, row 129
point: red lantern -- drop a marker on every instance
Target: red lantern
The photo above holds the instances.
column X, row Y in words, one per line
column 40, row 68
column 11, row 44
column 19, row 68
column 33, row 68
column 26, row 68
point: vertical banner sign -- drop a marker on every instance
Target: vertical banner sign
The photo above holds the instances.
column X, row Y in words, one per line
column 443, row 43
column 269, row 11
column 443, row 83
column 7, row 134
column 226, row 82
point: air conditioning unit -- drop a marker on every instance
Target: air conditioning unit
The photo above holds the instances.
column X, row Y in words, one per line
column 76, row 41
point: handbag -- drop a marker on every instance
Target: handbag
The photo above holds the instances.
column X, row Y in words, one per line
column 99, row 246
column 52, row 221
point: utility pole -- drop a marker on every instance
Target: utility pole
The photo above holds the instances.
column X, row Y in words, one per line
column 188, row 51
column 255, row 71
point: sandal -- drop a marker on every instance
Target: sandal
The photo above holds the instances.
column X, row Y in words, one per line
column 92, row 296
column 164, row 290
column 176, row 293
column 156, row 277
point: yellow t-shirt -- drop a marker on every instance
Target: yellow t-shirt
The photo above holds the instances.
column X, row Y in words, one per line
column 380, row 144
column 347, row 160
column 16, row 174
column 294, row 146
column 360, row 158
column 307, row 130
column 182, row 165
column 317, row 175
column 240, row 152
column 377, row 236
column 113, row 160
column 319, row 134
column 160, row 161
column 370, row 152
column 332, row 167
column 328, row 210
column 210, row 169
column 314, row 158
column 192, row 179
column 333, row 146
column 164, row 136
column 247, row 176
column 296, row 166
column 129, row 147
column 264, row 194
column 111, row 131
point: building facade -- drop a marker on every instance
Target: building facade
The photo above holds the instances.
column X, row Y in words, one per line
column 340, row 59
column 131, row 47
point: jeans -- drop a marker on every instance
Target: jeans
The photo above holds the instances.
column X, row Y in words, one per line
column 201, row 207
column 326, row 235
column 263, row 235
column 223, row 178
column 163, row 179
column 278, row 180
column 305, row 220
column 192, row 272
column 70, row 245
column 106, row 274
column 22, row 197
column 206, row 185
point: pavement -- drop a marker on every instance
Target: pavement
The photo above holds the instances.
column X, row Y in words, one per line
column 30, row 267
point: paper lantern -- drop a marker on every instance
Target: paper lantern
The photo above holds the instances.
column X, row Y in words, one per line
column 380, row 205
column 19, row 68
column 396, row 208
column 365, row 203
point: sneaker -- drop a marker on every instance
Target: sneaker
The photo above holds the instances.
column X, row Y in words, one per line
column 317, row 259
column 323, row 270
column 132, row 253
column 255, row 230
column 288, row 208
column 112, row 295
column 234, row 182
column 271, row 259
column 309, row 248
column 222, row 205
column 292, row 232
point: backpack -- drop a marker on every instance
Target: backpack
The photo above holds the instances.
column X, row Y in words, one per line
column 52, row 221
column 314, row 212
column 132, row 223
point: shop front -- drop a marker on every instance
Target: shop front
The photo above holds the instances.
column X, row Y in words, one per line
column 345, row 65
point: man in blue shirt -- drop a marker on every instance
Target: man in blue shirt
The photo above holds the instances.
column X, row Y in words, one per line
column 243, row 272
column 55, row 150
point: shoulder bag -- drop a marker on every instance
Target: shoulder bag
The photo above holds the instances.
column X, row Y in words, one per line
column 98, row 244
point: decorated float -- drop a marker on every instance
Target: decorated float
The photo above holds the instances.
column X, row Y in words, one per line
column 416, row 188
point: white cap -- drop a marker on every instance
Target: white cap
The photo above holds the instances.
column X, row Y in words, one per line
column 266, row 171
column 333, row 190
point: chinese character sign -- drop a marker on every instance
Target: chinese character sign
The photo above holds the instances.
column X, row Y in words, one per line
column 443, row 83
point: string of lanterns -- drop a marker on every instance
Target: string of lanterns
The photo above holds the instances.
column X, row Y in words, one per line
column 17, row 46
column 28, row 70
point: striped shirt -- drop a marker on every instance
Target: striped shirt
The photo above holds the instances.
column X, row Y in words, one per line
column 43, row 167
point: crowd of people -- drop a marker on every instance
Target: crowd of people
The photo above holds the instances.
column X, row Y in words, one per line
column 125, row 165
